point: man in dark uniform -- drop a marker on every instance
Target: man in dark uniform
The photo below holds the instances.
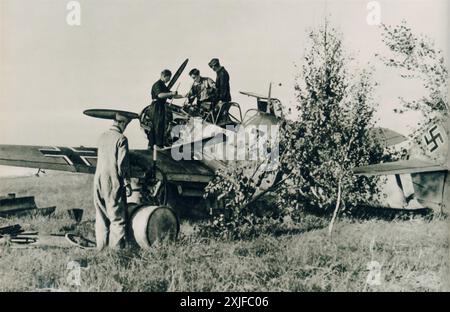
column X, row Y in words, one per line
column 222, row 81
column 160, row 93
column 223, row 88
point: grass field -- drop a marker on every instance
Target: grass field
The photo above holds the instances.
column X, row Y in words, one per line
column 413, row 254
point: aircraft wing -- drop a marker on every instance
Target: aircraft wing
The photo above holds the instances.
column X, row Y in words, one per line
column 400, row 167
column 173, row 170
column 80, row 159
column 84, row 160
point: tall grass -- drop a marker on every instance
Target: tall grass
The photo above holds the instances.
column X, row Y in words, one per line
column 413, row 254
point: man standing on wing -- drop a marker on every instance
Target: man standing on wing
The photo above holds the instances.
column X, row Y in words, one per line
column 160, row 93
column 223, row 88
column 222, row 81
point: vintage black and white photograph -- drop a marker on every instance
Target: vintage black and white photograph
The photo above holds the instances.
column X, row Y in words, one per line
column 224, row 146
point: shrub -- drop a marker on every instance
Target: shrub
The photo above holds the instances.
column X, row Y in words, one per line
column 238, row 214
column 332, row 134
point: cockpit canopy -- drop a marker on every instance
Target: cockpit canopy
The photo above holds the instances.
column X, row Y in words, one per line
column 266, row 105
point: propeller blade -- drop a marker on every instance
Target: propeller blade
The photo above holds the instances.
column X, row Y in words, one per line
column 177, row 74
column 109, row 113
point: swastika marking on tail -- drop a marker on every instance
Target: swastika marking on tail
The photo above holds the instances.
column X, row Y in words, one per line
column 433, row 139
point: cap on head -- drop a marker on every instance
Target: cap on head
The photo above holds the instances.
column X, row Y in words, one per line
column 214, row 62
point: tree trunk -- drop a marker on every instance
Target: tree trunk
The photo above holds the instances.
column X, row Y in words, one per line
column 336, row 209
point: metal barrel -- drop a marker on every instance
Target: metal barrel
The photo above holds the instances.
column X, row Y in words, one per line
column 151, row 224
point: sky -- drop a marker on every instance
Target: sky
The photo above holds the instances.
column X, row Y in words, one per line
column 50, row 71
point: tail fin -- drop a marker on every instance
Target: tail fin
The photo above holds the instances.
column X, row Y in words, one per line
column 431, row 143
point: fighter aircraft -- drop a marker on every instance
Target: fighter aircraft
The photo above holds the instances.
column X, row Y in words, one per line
column 421, row 178
column 157, row 177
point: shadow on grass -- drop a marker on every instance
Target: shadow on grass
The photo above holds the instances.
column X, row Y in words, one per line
column 297, row 230
column 311, row 220
column 364, row 213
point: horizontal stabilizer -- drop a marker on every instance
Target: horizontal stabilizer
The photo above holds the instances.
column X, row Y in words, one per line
column 400, row 167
